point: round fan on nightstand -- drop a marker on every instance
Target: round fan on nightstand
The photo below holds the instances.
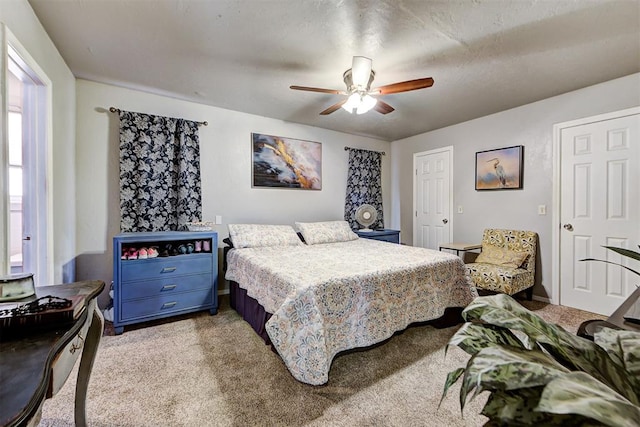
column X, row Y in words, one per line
column 366, row 215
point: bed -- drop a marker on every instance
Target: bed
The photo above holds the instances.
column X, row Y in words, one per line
column 335, row 292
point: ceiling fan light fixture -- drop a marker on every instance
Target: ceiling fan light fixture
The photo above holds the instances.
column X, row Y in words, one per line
column 367, row 102
column 360, row 103
column 352, row 102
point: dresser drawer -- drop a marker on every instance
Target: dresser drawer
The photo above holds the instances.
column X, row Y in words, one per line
column 161, row 305
column 164, row 267
column 165, row 286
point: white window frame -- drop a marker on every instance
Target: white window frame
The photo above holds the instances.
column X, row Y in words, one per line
column 41, row 105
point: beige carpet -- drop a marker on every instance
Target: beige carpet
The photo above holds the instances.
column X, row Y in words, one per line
column 202, row 370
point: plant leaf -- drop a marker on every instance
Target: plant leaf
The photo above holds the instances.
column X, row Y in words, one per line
column 614, row 263
column 518, row 407
column 621, row 251
column 452, row 377
column 500, row 368
column 625, row 345
column 607, row 338
column 570, row 350
column 625, row 252
column 473, row 337
column 579, row 393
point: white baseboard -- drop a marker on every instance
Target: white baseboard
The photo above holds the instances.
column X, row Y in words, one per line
column 541, row 299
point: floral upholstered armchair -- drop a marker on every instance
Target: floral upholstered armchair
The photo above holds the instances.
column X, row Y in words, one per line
column 507, row 262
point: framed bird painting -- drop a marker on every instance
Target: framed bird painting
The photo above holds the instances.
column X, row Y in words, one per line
column 500, row 169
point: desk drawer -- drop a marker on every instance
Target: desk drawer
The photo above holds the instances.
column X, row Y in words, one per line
column 66, row 359
column 163, row 267
column 161, row 305
column 165, row 286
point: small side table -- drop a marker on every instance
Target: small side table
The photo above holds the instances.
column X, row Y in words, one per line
column 384, row 235
column 460, row 247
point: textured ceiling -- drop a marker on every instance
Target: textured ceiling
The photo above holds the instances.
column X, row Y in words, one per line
column 484, row 55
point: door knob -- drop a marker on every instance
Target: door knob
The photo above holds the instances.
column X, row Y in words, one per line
column 444, row 221
column 568, row 227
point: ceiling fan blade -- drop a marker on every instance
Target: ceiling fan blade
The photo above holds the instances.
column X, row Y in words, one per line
column 383, row 107
column 333, row 108
column 361, row 71
column 318, row 89
column 403, row 86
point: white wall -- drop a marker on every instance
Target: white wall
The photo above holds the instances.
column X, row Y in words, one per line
column 225, row 163
column 20, row 19
column 531, row 126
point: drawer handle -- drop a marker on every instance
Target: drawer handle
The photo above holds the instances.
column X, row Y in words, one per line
column 75, row 347
column 168, row 288
column 168, row 304
column 169, row 269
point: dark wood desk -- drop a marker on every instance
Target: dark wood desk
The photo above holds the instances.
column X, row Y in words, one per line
column 34, row 365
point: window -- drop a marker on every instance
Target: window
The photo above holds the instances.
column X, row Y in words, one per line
column 14, row 127
column 24, row 214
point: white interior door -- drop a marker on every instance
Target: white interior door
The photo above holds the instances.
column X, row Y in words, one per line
column 432, row 199
column 599, row 205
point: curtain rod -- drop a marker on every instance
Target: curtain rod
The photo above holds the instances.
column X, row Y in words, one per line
column 117, row 110
column 350, row 148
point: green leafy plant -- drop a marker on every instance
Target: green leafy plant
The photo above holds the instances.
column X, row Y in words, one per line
column 538, row 373
column 622, row 251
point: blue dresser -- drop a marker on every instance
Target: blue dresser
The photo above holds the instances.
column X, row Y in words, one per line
column 184, row 280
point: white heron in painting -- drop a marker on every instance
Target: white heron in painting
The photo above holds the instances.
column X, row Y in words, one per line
column 502, row 177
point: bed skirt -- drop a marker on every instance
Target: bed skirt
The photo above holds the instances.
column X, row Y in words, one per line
column 256, row 316
column 250, row 310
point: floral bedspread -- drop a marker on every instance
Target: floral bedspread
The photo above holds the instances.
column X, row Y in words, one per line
column 331, row 297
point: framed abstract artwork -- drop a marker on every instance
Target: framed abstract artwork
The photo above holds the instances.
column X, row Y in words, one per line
column 500, row 169
column 286, row 162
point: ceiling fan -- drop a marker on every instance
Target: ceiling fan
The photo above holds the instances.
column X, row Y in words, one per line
column 360, row 96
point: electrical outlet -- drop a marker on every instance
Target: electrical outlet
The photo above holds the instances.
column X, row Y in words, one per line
column 218, row 219
column 460, row 210
column 542, row 210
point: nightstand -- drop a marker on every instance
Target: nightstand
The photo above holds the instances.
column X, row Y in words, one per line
column 384, row 235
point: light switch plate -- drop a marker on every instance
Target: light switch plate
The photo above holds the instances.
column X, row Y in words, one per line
column 460, row 210
column 218, row 219
column 542, row 209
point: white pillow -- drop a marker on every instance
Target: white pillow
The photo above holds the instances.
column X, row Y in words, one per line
column 259, row 235
column 326, row 232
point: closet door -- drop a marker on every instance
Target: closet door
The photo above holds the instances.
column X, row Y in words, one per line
column 432, row 198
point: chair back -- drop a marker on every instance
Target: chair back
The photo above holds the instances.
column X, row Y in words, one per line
column 514, row 240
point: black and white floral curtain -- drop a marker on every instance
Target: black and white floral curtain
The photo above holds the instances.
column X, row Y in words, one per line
column 364, row 185
column 159, row 173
